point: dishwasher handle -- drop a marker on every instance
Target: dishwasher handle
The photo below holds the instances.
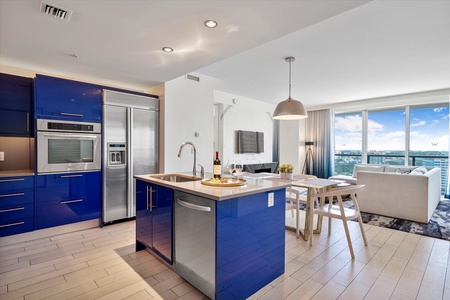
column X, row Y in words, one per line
column 183, row 202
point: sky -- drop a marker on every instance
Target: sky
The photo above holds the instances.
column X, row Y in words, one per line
column 386, row 130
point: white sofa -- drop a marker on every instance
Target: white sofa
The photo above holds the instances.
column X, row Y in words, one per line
column 398, row 191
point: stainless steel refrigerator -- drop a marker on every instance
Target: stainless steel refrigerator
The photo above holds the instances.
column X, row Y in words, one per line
column 130, row 147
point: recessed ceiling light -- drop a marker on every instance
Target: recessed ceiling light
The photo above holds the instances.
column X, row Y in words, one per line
column 167, row 49
column 211, row 24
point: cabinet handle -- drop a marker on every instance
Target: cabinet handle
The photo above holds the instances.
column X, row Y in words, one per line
column 12, row 195
column 71, row 176
column 12, row 209
column 151, row 198
column 146, row 207
column 11, row 180
column 12, row 224
column 70, row 114
column 28, row 122
column 71, row 201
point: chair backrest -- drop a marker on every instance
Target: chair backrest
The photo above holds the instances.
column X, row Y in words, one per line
column 340, row 191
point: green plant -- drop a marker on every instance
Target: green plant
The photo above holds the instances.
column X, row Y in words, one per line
column 286, row 168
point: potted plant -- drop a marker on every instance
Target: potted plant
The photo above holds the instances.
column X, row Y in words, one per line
column 286, row 171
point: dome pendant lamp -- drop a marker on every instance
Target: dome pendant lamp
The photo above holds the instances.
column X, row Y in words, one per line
column 290, row 109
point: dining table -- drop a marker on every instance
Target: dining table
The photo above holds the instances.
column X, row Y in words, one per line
column 313, row 185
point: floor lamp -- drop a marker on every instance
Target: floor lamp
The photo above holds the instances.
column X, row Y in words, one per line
column 309, row 160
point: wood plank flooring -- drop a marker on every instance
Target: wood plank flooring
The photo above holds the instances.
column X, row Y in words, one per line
column 101, row 263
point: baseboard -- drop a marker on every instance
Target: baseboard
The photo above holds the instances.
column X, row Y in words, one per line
column 43, row 233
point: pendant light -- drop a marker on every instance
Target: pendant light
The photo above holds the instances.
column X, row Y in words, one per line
column 290, row 109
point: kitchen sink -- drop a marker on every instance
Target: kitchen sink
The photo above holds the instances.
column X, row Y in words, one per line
column 176, row 177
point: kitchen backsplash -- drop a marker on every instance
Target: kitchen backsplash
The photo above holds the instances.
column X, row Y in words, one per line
column 18, row 153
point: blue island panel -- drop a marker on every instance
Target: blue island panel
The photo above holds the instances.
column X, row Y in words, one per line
column 250, row 244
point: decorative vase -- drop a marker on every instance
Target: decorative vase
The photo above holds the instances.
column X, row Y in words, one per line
column 282, row 175
column 289, row 175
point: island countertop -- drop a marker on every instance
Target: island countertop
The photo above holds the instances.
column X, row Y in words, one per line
column 253, row 186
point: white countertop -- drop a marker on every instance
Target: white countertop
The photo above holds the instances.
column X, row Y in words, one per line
column 254, row 185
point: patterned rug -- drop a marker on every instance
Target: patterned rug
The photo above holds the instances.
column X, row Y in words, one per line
column 438, row 226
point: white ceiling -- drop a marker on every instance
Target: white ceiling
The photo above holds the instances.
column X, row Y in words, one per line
column 344, row 50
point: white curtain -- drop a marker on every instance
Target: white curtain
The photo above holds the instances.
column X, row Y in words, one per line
column 320, row 130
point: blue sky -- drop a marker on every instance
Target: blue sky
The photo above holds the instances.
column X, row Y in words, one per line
column 429, row 130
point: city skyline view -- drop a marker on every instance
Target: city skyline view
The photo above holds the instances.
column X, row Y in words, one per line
column 429, row 130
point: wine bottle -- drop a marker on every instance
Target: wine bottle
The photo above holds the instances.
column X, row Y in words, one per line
column 217, row 166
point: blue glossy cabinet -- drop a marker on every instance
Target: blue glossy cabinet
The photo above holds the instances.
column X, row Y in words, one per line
column 229, row 249
column 250, row 239
column 67, row 198
column 16, row 205
column 154, row 225
column 62, row 99
column 16, row 106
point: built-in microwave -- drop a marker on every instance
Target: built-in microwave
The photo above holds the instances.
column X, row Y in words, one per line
column 64, row 146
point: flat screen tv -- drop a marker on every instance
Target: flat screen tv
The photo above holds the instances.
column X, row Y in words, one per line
column 250, row 141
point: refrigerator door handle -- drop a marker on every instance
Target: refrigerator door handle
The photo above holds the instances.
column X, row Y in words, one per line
column 130, row 181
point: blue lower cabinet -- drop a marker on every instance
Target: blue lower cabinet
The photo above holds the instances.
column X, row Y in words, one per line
column 16, row 205
column 67, row 198
column 250, row 248
column 154, row 224
column 61, row 212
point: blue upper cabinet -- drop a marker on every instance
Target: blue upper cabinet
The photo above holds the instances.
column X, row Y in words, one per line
column 16, row 106
column 63, row 99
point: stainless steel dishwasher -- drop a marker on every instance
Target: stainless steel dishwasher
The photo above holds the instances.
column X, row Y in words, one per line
column 195, row 241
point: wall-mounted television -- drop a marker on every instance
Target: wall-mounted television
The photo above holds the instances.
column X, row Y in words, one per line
column 250, row 141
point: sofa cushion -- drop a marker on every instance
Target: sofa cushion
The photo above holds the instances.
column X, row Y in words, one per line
column 399, row 169
column 374, row 168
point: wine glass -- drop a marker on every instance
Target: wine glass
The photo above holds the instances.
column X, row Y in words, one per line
column 230, row 166
column 238, row 166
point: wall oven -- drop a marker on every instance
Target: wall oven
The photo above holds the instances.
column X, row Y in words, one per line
column 65, row 146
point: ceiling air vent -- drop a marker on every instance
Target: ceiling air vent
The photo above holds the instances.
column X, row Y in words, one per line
column 193, row 78
column 57, row 12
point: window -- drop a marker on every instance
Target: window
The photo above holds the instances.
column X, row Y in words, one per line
column 348, row 142
column 429, row 138
column 412, row 135
column 386, row 137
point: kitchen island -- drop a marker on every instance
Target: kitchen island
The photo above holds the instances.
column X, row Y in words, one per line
column 229, row 242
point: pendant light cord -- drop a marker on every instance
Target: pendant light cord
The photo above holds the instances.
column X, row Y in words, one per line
column 289, row 80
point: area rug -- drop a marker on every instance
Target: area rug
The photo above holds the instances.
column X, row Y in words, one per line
column 438, row 226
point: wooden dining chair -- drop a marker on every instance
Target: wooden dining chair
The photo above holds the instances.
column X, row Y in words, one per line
column 338, row 211
column 295, row 197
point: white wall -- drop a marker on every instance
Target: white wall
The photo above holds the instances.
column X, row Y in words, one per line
column 245, row 114
column 188, row 108
column 292, row 143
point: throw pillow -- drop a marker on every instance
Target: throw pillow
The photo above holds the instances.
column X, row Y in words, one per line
column 370, row 168
column 400, row 171
column 419, row 171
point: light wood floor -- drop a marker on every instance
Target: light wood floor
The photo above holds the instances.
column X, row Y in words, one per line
column 101, row 263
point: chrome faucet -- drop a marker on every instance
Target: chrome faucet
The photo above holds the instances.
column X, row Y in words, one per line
column 194, row 171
